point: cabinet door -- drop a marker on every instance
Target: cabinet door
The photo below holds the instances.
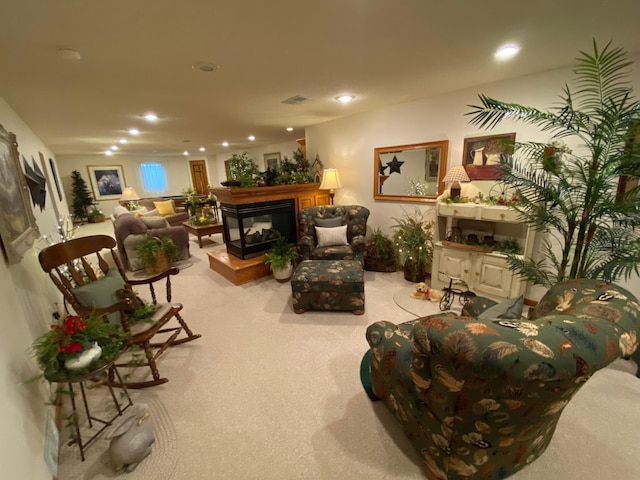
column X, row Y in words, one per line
column 492, row 277
column 453, row 264
column 305, row 201
column 322, row 198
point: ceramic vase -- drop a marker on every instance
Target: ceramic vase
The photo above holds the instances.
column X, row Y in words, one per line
column 283, row 275
column 84, row 358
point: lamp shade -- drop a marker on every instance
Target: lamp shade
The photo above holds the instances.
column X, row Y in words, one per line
column 330, row 179
column 456, row 173
column 129, row 194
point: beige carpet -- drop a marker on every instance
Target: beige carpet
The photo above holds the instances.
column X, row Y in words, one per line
column 268, row 394
column 159, row 465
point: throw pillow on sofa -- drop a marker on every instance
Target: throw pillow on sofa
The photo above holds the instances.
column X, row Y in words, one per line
column 510, row 309
column 154, row 222
column 165, row 208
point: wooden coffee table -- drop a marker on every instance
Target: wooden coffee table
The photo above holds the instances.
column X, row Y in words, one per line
column 200, row 230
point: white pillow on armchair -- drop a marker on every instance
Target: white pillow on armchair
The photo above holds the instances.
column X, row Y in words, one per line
column 332, row 236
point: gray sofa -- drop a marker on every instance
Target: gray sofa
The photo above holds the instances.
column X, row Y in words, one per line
column 174, row 219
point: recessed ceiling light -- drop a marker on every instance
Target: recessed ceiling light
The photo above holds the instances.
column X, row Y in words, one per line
column 151, row 117
column 69, row 54
column 201, row 149
column 205, row 67
column 134, row 131
column 185, row 153
column 114, row 147
column 251, row 138
column 506, row 52
column 225, row 144
column 108, row 153
column 123, row 140
column 289, row 129
column 345, row 98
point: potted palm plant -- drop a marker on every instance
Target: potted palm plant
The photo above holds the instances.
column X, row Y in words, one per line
column 378, row 253
column 281, row 259
column 157, row 253
column 589, row 230
column 413, row 245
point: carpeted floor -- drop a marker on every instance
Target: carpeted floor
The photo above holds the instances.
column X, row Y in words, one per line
column 268, row 394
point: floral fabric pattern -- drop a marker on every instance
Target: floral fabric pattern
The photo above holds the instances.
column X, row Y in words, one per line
column 354, row 216
column 328, row 285
column 480, row 399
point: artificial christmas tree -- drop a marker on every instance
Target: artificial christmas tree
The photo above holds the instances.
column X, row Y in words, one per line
column 82, row 197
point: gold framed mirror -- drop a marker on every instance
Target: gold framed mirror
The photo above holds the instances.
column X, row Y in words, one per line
column 410, row 173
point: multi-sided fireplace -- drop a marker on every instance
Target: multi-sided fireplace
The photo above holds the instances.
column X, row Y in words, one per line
column 250, row 229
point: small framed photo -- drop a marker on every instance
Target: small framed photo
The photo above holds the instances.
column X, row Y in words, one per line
column 271, row 161
column 107, row 181
column 483, row 155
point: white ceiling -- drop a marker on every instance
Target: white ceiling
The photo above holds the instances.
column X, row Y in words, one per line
column 137, row 57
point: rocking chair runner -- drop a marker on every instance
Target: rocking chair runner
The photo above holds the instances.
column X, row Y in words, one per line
column 96, row 287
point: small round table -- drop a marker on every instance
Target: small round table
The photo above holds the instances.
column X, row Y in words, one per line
column 99, row 376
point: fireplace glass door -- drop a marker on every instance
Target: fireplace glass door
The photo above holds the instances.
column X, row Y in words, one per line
column 251, row 229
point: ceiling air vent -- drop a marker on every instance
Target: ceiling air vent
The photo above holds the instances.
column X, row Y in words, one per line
column 296, row 99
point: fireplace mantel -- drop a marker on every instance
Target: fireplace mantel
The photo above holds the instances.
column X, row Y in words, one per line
column 306, row 194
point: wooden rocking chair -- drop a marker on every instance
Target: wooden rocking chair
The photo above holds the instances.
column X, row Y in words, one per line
column 89, row 285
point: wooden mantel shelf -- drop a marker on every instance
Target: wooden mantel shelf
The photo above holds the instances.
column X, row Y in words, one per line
column 240, row 196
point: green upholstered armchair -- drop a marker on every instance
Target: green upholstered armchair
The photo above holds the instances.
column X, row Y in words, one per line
column 354, row 217
column 480, row 398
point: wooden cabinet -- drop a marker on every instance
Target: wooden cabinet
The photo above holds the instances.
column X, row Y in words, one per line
column 486, row 272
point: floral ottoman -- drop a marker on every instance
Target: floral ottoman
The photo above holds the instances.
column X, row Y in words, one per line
column 328, row 285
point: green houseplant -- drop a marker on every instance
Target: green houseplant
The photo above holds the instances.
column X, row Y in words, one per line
column 413, row 245
column 157, row 253
column 94, row 214
column 243, row 169
column 281, row 259
column 589, row 230
column 379, row 255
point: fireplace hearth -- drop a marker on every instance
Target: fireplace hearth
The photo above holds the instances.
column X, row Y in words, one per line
column 250, row 229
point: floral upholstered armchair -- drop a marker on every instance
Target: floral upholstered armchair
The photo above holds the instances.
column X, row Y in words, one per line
column 332, row 232
column 480, row 398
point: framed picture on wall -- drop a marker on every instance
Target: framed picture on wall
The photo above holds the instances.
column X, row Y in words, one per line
column 482, row 155
column 18, row 228
column 107, row 181
column 271, row 161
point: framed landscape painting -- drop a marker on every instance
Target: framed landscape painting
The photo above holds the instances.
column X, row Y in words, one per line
column 107, row 181
column 271, row 161
column 482, row 155
column 18, row 229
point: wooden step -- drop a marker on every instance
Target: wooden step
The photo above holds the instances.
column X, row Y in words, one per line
column 236, row 270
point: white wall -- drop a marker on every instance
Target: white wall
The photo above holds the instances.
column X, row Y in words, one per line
column 348, row 143
column 176, row 168
column 26, row 296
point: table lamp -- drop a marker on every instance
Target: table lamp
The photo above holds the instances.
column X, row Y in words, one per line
column 330, row 181
column 455, row 175
column 131, row 197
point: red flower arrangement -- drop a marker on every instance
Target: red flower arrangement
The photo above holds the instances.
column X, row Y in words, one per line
column 63, row 334
column 68, row 338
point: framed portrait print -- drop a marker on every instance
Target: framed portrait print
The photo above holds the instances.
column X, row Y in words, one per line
column 482, row 155
column 107, row 181
column 271, row 161
column 18, row 229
